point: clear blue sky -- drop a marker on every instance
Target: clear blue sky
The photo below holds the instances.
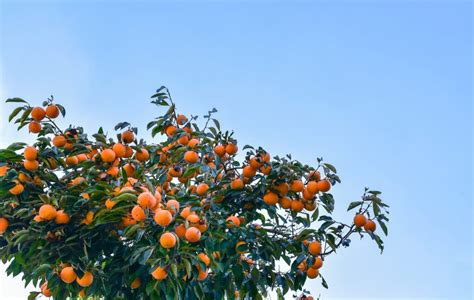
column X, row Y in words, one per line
column 381, row 89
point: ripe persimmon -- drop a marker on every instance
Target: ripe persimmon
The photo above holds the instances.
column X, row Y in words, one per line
column 255, row 163
column 38, row 113
column 163, row 217
column 266, row 169
column 68, row 275
column 204, row 258
column 119, row 149
column 45, row 290
column 61, row 217
column 34, row 127
column 128, row 152
column 232, row 221
column 312, row 273
column 310, row 205
column 136, row 283
column 296, row 186
column 170, row 130
column 285, row 202
column 282, row 188
column 193, row 143
column 128, row 220
column 129, row 170
column 128, row 136
column 3, row 225
column 192, row 235
column 175, row 171
column 180, row 230
column 59, row 141
column 193, row 219
column 314, row 248
column 237, row 184
column 219, row 150
column 109, row 204
column 47, row 212
column 202, row 226
column 30, row 153
column 72, row 160
column 81, row 157
column 370, row 226
column 201, row 189
column 88, row 218
column 360, row 220
column 108, row 155
column 202, row 275
column 52, row 111
column 184, row 140
column 270, row 198
column 191, row 157
column 185, row 212
column 31, row 165
column 318, row 263
column 167, row 240
column 113, row 171
column 138, row 213
column 297, row 205
column 324, row 185
column 86, row 280
column 69, row 145
column 142, row 155
column 181, row 119
column 3, row 170
column 249, row 172
column 231, row 149
column 77, row 180
column 159, row 273
column 146, row 200
column 307, row 195
column 17, row 189
column 172, row 205
column 314, row 175
column 312, row 187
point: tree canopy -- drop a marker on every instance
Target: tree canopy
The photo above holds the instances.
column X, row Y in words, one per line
column 191, row 214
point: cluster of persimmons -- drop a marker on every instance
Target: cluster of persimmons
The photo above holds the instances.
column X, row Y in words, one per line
column 183, row 216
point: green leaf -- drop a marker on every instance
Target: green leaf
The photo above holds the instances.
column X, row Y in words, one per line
column 146, row 255
column 62, row 110
column 383, row 226
column 376, row 208
column 188, row 267
column 330, row 167
column 218, row 125
column 14, row 113
column 15, row 100
column 323, row 282
column 33, row 295
column 6, row 155
column 121, row 125
column 16, row 146
column 354, row 205
column 331, row 240
column 174, row 269
column 379, row 242
column 25, row 115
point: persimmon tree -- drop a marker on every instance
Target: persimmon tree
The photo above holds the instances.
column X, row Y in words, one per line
column 187, row 216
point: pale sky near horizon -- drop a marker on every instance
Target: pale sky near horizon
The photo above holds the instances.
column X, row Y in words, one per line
column 383, row 90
